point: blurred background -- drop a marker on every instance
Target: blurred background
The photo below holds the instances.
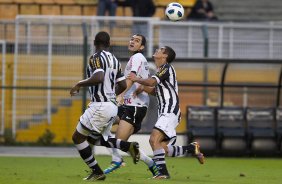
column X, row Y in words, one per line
column 229, row 69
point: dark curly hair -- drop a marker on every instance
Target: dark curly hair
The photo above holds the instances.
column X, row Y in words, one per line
column 102, row 39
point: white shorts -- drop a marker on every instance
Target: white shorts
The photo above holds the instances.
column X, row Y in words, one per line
column 167, row 123
column 98, row 118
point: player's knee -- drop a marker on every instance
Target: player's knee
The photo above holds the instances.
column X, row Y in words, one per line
column 77, row 138
column 74, row 138
column 91, row 140
column 117, row 120
column 109, row 143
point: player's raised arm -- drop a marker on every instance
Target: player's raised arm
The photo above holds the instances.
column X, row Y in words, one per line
column 93, row 80
column 120, row 87
column 97, row 74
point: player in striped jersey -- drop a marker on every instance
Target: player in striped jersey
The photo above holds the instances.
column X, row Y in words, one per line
column 103, row 73
column 134, row 108
column 163, row 137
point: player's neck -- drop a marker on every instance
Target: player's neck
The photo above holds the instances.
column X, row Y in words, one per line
column 160, row 63
column 135, row 52
column 100, row 48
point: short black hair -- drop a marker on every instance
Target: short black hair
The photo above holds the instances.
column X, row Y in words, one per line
column 102, row 39
column 143, row 41
column 170, row 54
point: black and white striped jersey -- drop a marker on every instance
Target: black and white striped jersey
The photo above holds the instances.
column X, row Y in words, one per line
column 106, row 62
column 167, row 90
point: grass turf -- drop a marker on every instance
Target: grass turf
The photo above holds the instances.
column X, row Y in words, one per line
column 30, row 170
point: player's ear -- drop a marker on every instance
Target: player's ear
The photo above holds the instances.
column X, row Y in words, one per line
column 142, row 47
column 165, row 56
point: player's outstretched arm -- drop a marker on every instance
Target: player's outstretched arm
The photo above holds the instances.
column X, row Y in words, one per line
column 150, row 90
column 146, row 82
column 147, row 89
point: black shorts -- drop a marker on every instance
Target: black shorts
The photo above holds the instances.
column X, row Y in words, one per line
column 133, row 115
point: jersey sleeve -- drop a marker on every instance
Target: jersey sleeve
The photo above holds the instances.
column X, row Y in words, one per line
column 162, row 75
column 96, row 63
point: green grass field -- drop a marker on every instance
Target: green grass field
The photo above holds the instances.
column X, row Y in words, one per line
column 30, row 170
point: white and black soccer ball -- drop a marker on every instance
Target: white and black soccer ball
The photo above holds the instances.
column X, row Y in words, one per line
column 174, row 11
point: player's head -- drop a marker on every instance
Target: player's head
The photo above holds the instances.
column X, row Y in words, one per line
column 164, row 55
column 102, row 39
column 170, row 54
column 137, row 43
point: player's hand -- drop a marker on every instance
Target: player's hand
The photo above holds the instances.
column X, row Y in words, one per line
column 132, row 77
column 74, row 90
column 139, row 90
column 120, row 99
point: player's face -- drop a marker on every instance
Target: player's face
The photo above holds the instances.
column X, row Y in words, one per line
column 135, row 44
column 159, row 56
column 159, row 53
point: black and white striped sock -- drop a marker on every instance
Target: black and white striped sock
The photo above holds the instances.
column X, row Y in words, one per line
column 116, row 143
column 85, row 152
column 159, row 159
column 176, row 151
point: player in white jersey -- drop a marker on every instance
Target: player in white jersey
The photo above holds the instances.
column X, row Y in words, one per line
column 103, row 73
column 163, row 137
column 138, row 65
column 134, row 108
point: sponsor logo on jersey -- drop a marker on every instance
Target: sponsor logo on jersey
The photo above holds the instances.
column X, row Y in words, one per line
column 98, row 63
column 127, row 101
column 162, row 72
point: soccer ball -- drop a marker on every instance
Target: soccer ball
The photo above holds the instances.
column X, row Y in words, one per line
column 174, row 11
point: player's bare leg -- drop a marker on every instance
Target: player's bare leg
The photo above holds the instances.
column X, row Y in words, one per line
column 124, row 131
column 117, row 160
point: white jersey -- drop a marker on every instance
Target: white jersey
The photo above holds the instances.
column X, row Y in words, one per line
column 139, row 65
